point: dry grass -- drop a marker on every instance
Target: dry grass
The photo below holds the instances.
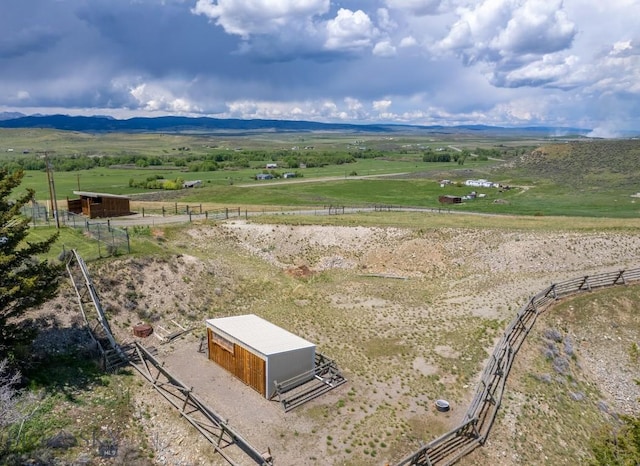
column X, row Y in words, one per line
column 572, row 379
column 401, row 342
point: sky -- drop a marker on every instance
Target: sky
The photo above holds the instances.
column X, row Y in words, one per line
column 571, row 63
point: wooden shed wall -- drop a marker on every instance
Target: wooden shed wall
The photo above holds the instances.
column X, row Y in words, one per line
column 74, row 206
column 450, row 200
column 248, row 367
column 105, row 207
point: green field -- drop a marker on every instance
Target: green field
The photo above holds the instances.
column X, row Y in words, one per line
column 593, row 178
column 402, row 342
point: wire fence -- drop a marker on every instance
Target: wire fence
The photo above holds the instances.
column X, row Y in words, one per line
column 112, row 236
column 110, row 240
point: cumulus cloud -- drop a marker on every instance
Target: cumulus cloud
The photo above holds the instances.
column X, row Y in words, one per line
column 349, row 109
column 154, row 98
column 550, row 70
column 408, row 41
column 623, row 47
column 350, row 30
column 248, row 17
column 535, row 27
column 382, row 105
column 384, row 49
column 552, row 62
column 512, row 34
column 385, row 22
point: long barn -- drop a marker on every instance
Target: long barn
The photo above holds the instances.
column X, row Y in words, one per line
column 258, row 352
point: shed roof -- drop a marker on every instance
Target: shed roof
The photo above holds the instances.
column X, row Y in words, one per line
column 259, row 334
column 93, row 195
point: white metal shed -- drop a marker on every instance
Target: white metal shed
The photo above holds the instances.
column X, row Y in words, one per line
column 258, row 352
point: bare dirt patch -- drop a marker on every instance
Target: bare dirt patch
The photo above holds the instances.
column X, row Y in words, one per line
column 409, row 315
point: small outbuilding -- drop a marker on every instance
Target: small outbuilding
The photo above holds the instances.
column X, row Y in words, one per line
column 99, row 205
column 449, row 199
column 192, row 184
column 258, row 352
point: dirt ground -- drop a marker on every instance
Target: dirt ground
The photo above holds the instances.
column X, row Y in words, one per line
column 410, row 316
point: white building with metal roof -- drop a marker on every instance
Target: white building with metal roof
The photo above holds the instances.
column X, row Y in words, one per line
column 258, row 352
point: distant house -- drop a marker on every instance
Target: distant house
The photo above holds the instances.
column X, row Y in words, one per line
column 264, row 176
column 481, row 183
column 449, row 199
column 271, row 166
column 289, row 175
column 99, row 205
column 192, row 184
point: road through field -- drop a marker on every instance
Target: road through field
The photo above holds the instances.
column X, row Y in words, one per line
column 318, row 180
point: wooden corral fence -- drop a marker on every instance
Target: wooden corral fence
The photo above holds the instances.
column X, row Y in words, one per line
column 298, row 390
column 113, row 356
column 478, row 420
column 211, row 425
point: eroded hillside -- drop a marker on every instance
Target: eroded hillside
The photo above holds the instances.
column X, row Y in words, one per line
column 409, row 315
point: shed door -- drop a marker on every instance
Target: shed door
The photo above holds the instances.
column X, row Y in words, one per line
column 250, row 369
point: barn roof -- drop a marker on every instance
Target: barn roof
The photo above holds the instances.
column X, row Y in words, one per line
column 259, row 334
column 93, row 195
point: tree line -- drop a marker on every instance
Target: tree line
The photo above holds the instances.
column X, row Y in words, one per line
column 186, row 160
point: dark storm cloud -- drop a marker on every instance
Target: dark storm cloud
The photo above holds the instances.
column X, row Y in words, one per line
column 417, row 61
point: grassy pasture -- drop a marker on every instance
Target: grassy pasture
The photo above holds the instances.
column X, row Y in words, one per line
column 155, row 144
column 538, row 199
column 594, row 179
column 116, row 181
column 396, row 322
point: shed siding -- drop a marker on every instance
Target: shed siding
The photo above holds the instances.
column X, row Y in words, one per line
column 258, row 352
column 106, row 207
column 250, row 368
column 245, row 365
column 283, row 366
column 74, row 206
column 95, row 205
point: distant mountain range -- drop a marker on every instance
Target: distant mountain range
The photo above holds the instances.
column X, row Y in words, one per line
column 203, row 125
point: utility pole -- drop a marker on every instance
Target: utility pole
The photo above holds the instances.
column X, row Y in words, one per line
column 52, row 188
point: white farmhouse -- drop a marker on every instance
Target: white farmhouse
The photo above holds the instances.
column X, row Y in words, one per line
column 481, row 183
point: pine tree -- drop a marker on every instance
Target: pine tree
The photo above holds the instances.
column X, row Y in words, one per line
column 25, row 281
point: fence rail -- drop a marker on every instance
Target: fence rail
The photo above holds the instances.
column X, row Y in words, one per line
column 481, row 414
column 211, row 425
